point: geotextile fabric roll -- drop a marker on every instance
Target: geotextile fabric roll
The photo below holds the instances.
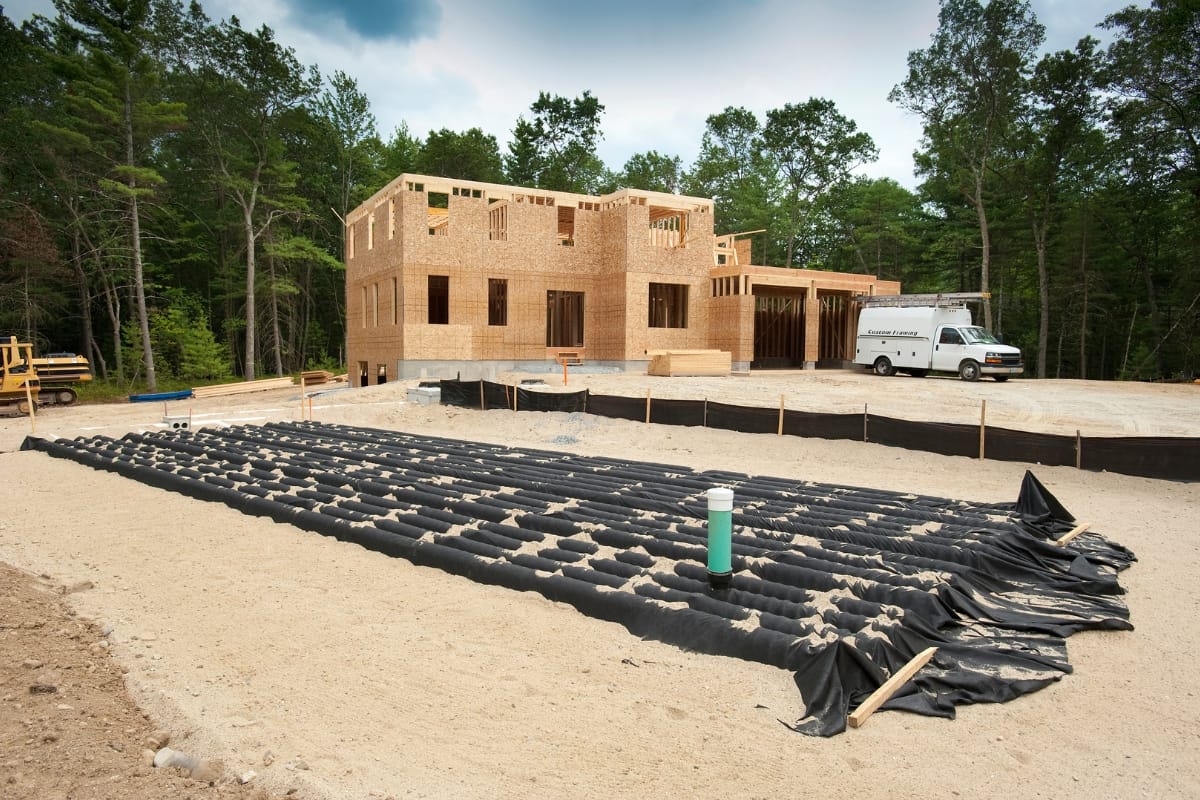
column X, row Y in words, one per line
column 840, row 585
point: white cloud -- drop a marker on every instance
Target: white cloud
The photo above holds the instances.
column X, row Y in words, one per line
column 659, row 68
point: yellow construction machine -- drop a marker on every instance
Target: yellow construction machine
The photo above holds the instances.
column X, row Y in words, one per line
column 44, row 381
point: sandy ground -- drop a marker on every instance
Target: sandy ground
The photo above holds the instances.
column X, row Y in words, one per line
column 246, row 636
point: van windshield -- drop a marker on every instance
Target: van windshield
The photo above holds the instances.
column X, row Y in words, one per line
column 976, row 335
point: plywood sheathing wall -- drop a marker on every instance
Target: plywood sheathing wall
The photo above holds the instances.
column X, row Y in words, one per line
column 611, row 259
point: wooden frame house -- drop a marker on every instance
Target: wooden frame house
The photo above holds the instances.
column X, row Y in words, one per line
column 449, row 277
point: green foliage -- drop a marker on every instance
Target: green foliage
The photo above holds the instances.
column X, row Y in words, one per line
column 651, row 171
column 188, row 351
column 814, row 148
column 556, row 149
column 877, row 228
column 733, row 170
column 471, row 155
column 969, row 87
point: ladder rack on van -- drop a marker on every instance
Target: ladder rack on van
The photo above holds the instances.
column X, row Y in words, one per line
column 942, row 299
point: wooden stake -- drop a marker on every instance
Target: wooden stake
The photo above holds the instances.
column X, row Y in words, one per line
column 516, row 391
column 482, row 403
column 1078, row 451
column 310, row 408
column 865, row 422
column 29, row 400
column 780, row 431
column 564, row 363
column 301, row 395
column 1071, row 534
column 982, row 425
column 647, row 406
column 890, row 687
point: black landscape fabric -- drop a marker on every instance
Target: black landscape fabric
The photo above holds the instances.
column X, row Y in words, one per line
column 841, row 586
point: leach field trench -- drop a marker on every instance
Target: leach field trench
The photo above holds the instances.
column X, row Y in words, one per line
column 387, row 678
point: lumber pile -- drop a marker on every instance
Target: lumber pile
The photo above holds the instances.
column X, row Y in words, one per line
column 674, row 363
column 242, row 387
column 312, row 377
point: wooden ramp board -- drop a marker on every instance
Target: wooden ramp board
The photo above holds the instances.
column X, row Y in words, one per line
column 890, row 687
column 243, row 387
column 699, row 363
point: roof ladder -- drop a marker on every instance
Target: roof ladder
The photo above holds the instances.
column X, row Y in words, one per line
column 940, row 299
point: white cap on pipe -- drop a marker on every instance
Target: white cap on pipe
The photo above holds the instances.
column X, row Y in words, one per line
column 720, row 499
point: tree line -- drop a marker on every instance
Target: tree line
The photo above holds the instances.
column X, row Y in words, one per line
column 173, row 187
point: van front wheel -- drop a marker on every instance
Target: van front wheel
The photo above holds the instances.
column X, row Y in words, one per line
column 884, row 367
column 968, row 371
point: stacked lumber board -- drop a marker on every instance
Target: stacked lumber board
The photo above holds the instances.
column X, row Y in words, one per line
column 674, row 363
column 312, row 377
column 242, row 387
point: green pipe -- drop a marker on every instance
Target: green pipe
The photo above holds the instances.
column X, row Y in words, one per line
column 720, row 537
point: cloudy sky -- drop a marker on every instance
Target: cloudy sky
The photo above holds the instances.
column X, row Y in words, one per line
column 660, row 67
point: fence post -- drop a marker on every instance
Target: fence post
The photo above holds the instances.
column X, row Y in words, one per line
column 982, row 425
column 647, row 406
column 32, row 405
column 780, row 431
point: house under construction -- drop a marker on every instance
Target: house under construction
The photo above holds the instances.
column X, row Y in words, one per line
column 447, row 277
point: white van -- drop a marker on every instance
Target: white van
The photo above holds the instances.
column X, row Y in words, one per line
column 918, row 339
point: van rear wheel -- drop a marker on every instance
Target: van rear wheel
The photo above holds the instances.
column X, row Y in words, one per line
column 883, row 366
column 968, row 371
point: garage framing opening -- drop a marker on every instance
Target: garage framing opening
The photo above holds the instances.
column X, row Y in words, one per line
column 778, row 328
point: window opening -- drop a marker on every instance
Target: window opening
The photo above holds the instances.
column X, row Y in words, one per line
column 381, row 373
column 395, row 302
column 498, row 222
column 438, row 213
column 564, row 319
column 497, row 301
column 566, row 226
column 439, row 299
column 668, row 305
column 668, row 227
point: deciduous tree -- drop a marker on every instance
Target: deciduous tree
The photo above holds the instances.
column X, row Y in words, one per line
column 968, row 87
